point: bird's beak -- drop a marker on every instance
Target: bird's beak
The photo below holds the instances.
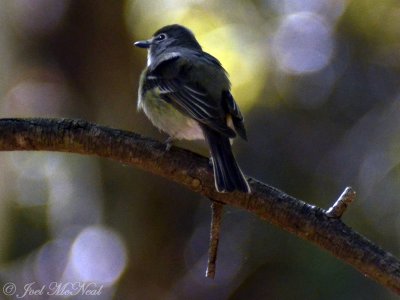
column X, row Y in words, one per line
column 143, row 44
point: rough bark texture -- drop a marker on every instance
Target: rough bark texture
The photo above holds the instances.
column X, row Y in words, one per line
column 193, row 171
column 216, row 220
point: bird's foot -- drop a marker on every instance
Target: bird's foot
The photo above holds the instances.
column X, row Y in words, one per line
column 168, row 143
column 210, row 162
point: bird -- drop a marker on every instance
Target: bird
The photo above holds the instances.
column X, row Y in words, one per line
column 185, row 92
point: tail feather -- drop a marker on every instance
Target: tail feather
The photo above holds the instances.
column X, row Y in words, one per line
column 227, row 174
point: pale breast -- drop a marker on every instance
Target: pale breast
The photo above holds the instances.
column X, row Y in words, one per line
column 168, row 119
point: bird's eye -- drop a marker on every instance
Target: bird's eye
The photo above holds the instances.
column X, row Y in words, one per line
column 161, row 37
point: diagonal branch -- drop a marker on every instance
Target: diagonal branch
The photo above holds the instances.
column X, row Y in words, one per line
column 192, row 170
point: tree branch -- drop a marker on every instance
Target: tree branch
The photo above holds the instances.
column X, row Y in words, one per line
column 192, row 170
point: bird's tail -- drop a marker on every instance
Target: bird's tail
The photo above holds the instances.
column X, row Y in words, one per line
column 227, row 174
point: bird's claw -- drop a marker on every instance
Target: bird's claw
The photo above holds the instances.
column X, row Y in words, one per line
column 168, row 143
column 210, row 162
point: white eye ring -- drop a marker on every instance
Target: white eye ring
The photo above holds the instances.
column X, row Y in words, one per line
column 161, row 37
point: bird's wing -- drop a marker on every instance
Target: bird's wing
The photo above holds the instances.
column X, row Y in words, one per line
column 175, row 87
column 234, row 111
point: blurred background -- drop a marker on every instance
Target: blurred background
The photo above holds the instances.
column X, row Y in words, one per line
column 318, row 82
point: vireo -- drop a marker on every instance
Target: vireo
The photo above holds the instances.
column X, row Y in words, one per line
column 185, row 92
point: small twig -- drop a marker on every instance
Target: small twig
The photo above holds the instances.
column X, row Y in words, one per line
column 215, row 229
column 340, row 206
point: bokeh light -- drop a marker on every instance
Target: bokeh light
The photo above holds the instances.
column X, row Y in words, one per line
column 97, row 255
column 38, row 17
column 303, row 44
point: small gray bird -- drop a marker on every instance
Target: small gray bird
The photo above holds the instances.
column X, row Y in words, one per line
column 185, row 92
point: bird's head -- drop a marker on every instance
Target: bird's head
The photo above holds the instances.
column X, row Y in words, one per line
column 170, row 37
